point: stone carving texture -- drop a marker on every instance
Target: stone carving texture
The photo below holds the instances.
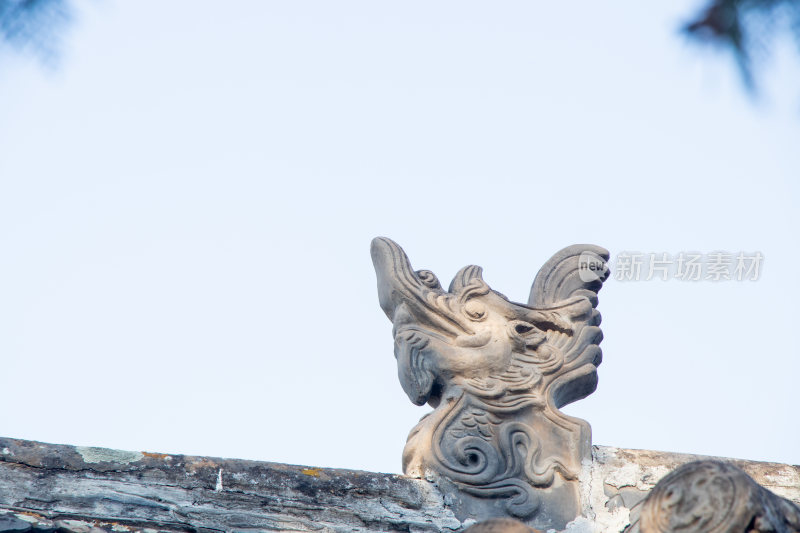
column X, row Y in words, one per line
column 49, row 488
column 711, row 496
column 496, row 373
column 500, row 525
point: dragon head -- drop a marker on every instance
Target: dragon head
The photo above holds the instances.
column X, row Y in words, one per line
column 472, row 336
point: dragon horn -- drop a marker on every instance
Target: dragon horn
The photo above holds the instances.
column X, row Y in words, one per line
column 417, row 295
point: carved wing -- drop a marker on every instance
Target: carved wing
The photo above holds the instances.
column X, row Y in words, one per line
column 577, row 270
column 566, row 287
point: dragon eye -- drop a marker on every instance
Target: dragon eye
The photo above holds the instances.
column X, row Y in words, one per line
column 475, row 310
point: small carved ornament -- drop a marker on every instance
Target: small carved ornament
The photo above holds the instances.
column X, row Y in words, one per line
column 715, row 497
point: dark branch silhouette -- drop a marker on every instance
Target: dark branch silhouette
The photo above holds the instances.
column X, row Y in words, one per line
column 35, row 26
column 746, row 28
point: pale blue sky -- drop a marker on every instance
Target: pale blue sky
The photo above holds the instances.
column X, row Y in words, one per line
column 186, row 207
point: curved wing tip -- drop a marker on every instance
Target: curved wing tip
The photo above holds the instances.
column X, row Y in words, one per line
column 383, row 246
column 377, row 241
column 561, row 276
column 580, row 248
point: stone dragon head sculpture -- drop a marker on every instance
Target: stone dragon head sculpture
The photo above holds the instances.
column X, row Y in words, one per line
column 496, row 373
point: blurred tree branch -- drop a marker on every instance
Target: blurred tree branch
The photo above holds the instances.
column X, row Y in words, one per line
column 34, row 25
column 746, row 27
